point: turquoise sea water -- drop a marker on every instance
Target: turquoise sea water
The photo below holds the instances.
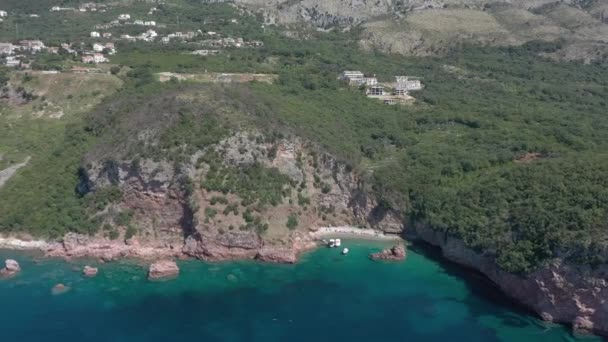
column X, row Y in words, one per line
column 326, row 297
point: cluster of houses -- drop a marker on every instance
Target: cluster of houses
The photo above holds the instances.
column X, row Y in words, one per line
column 89, row 6
column 97, row 55
column 13, row 54
column 232, row 42
column 390, row 94
column 124, row 20
column 148, row 36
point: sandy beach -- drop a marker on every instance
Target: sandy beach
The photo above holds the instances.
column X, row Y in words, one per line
column 347, row 231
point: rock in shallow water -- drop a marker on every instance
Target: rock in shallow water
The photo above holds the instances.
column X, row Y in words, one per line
column 395, row 253
column 11, row 267
column 89, row 271
column 163, row 269
column 59, row 289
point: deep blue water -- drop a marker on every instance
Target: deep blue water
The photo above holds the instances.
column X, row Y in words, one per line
column 326, row 297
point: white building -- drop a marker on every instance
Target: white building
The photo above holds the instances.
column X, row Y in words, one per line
column 138, row 22
column 7, row 48
column 124, row 17
column 98, row 47
column 3, row 14
column 94, row 58
column 150, row 23
column 375, row 91
column 12, row 62
column 95, row 34
column 151, row 34
column 106, row 35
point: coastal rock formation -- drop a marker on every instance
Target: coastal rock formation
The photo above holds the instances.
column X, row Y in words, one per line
column 174, row 223
column 163, row 269
column 78, row 246
column 560, row 292
column 394, row 253
column 285, row 256
column 227, row 246
column 11, row 267
column 89, row 271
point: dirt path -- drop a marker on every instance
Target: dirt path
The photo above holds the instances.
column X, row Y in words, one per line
column 7, row 173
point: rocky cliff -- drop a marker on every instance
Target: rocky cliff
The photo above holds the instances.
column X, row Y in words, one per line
column 558, row 292
column 234, row 200
column 197, row 209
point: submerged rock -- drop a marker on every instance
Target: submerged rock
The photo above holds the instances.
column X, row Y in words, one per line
column 163, row 269
column 395, row 253
column 11, row 267
column 89, row 271
column 59, row 289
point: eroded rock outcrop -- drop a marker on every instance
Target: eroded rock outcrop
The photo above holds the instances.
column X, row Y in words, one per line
column 79, row 246
column 278, row 255
column 163, row 269
column 11, row 267
column 395, row 253
column 173, row 222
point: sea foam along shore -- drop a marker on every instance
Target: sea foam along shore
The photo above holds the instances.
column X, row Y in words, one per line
column 349, row 231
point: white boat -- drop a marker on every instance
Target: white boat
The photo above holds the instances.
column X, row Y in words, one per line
column 338, row 242
column 345, row 251
column 332, row 243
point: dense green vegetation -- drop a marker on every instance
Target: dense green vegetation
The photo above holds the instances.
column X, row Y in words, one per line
column 451, row 160
column 503, row 148
column 254, row 184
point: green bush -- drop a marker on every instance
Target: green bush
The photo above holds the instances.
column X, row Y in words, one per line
column 292, row 222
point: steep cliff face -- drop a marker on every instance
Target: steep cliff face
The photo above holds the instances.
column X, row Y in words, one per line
column 235, row 200
column 558, row 292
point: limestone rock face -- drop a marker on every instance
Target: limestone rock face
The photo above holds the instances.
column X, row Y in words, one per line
column 90, row 271
column 11, row 267
column 394, row 253
column 163, row 269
